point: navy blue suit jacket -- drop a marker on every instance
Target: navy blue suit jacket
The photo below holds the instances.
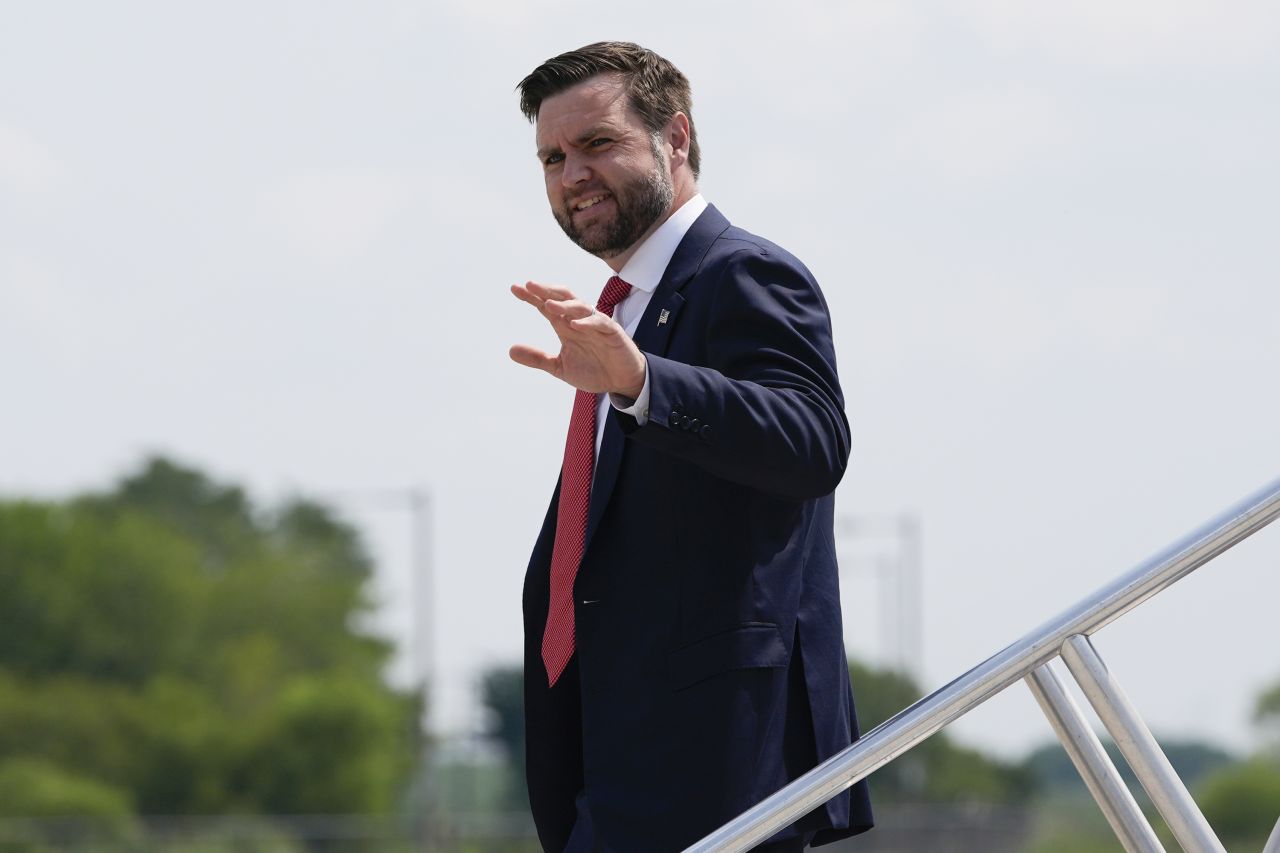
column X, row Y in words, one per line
column 710, row 666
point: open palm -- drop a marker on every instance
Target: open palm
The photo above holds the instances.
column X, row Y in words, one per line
column 596, row 354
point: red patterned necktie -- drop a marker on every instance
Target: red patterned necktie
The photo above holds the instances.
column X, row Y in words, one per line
column 571, row 516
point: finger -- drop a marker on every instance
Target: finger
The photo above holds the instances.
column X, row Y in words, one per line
column 557, row 320
column 533, row 357
column 524, row 295
column 596, row 321
column 569, row 309
column 548, row 291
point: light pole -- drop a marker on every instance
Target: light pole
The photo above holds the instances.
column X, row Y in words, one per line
column 902, row 611
column 422, row 575
column 416, row 500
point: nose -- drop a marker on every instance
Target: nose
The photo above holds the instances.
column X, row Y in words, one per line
column 575, row 170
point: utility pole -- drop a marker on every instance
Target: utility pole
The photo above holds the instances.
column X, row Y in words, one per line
column 422, row 576
column 416, row 502
column 898, row 568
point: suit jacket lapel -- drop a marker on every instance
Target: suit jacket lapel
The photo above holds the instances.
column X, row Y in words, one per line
column 653, row 335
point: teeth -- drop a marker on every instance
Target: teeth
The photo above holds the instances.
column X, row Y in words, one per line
column 591, row 202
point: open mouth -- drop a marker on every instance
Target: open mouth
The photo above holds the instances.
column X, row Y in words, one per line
column 589, row 202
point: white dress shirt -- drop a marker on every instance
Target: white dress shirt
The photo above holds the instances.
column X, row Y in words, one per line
column 643, row 272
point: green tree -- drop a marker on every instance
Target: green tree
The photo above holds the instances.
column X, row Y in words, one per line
column 1242, row 802
column 288, row 762
column 1193, row 761
column 880, row 693
column 73, row 811
column 35, row 788
column 1266, row 715
column 938, row 770
column 107, row 598
column 215, row 517
column 502, row 692
column 168, row 647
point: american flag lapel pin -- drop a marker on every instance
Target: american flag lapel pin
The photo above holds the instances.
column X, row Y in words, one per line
column 662, row 316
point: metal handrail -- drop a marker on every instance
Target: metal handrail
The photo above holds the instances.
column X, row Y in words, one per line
column 911, row 726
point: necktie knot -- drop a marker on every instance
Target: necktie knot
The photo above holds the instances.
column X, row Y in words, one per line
column 615, row 290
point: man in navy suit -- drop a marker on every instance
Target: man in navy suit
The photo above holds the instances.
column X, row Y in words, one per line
column 684, row 654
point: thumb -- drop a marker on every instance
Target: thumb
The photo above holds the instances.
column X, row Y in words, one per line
column 533, row 357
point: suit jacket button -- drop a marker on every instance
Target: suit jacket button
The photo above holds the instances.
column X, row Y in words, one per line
column 705, row 432
column 685, row 421
column 694, row 424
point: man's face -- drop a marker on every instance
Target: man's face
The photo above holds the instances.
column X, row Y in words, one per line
column 607, row 180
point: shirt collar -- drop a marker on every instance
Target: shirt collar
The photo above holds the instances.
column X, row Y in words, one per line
column 645, row 268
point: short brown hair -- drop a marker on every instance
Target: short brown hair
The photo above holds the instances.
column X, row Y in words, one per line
column 656, row 89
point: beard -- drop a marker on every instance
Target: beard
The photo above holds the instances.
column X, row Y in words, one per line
column 639, row 204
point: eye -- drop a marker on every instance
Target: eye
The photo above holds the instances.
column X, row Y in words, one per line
column 552, row 159
column 598, row 141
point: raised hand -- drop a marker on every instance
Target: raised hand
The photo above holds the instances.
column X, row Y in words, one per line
column 596, row 354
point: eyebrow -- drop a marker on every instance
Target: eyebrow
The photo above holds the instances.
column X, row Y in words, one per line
column 582, row 139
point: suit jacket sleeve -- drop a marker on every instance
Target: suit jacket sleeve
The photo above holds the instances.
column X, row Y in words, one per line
column 765, row 408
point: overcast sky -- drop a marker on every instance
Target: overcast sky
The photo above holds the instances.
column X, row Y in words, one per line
column 275, row 240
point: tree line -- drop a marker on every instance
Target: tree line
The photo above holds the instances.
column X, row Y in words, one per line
column 168, row 648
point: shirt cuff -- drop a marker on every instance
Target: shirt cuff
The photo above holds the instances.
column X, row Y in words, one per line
column 639, row 407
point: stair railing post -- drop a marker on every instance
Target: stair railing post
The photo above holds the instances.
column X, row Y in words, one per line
column 1139, row 748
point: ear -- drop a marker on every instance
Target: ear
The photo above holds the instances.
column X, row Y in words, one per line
column 677, row 138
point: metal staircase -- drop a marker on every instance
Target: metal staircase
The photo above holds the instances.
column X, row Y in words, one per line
column 1065, row 637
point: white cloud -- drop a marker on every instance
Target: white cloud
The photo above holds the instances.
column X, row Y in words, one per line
column 26, row 165
column 334, row 215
